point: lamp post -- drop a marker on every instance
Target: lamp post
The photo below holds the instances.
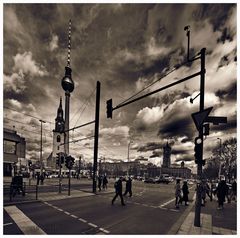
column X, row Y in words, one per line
column 128, row 157
column 41, row 167
column 220, row 155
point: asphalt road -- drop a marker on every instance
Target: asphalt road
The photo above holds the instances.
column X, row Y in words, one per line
column 151, row 210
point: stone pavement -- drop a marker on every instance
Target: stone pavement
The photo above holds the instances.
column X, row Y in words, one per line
column 213, row 221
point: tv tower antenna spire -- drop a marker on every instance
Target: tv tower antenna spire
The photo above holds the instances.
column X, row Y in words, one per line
column 69, row 43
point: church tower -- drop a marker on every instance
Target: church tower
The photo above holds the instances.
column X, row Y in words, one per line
column 167, row 156
column 58, row 132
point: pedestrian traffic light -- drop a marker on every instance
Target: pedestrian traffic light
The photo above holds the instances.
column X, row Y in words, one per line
column 109, row 108
column 198, row 150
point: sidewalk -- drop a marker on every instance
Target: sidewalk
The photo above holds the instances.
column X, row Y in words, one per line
column 213, row 221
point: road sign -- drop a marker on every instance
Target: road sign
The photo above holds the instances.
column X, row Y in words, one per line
column 216, row 120
column 199, row 117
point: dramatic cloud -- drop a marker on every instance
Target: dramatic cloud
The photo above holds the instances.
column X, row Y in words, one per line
column 53, row 43
column 127, row 47
column 24, row 63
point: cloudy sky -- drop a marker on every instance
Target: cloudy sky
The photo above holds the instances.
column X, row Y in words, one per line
column 126, row 47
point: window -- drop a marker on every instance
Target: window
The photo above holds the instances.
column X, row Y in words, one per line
column 58, row 138
column 9, row 147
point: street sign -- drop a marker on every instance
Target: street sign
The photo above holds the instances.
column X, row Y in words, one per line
column 216, row 120
column 199, row 117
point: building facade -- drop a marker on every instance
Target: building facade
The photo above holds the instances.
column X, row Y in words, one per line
column 58, row 137
column 14, row 151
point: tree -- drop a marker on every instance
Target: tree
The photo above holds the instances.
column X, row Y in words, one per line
column 227, row 157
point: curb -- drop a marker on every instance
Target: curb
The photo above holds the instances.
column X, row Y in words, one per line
column 175, row 228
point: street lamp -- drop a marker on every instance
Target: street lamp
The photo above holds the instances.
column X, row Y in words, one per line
column 220, row 154
column 41, row 167
column 128, row 157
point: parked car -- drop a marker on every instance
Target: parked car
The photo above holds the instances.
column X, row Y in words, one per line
column 162, row 179
column 149, row 180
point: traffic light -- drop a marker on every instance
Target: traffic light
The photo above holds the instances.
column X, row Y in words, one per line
column 206, row 129
column 57, row 162
column 69, row 162
column 109, row 108
column 198, row 150
column 62, row 159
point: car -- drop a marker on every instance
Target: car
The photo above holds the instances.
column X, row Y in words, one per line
column 149, row 180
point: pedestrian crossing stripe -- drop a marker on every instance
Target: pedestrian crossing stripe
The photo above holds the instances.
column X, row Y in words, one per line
column 25, row 224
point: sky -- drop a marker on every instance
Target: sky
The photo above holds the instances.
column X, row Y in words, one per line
column 126, row 47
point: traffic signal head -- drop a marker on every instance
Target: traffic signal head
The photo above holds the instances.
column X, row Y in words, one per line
column 57, row 162
column 109, row 108
column 69, row 162
column 198, row 150
column 206, row 129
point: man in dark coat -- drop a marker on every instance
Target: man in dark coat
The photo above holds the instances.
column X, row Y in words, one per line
column 128, row 187
column 118, row 190
column 221, row 193
column 185, row 192
column 105, row 182
column 99, row 182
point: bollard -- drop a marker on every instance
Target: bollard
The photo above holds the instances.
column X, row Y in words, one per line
column 36, row 192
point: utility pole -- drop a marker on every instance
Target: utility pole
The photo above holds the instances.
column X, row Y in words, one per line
column 200, row 136
column 95, row 157
column 220, row 155
column 41, row 161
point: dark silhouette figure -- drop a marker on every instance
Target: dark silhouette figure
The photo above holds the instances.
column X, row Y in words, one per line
column 99, row 183
column 222, row 189
column 105, row 182
column 128, row 187
column 185, row 192
column 234, row 191
column 42, row 178
column 118, row 190
column 38, row 178
column 178, row 193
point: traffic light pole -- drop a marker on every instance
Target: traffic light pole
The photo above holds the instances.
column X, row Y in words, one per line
column 199, row 165
column 95, row 157
column 69, row 182
column 60, row 179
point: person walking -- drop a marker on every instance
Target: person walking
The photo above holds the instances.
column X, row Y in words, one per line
column 185, row 192
column 105, row 182
column 178, row 193
column 118, row 191
column 99, row 182
column 234, row 191
column 221, row 193
column 128, row 187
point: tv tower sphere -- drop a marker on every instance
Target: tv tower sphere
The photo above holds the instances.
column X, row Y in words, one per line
column 67, row 82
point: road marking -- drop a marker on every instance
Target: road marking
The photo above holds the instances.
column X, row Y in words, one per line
column 83, row 220
column 67, row 213
column 163, row 208
column 59, row 209
column 7, row 224
column 174, row 210
column 103, row 230
column 91, row 224
column 166, row 203
column 74, row 216
column 25, row 224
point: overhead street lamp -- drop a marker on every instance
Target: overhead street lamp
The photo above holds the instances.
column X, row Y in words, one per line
column 220, row 155
column 41, row 161
column 128, row 156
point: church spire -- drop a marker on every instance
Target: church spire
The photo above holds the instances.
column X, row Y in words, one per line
column 59, row 121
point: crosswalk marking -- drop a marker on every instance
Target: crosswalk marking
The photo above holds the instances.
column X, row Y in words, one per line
column 7, row 224
column 25, row 224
